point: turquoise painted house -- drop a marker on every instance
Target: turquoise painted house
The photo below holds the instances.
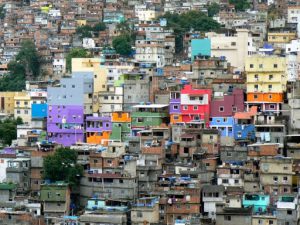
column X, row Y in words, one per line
column 200, row 47
column 259, row 202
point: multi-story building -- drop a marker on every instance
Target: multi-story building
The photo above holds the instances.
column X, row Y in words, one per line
column 22, row 106
column 98, row 129
column 195, row 104
column 266, row 82
column 235, row 47
column 7, row 103
column 276, row 176
column 222, row 110
column 66, row 108
column 56, row 200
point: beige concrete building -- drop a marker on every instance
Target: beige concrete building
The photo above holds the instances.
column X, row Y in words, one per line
column 235, row 48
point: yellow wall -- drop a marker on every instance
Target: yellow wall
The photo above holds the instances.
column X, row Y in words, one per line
column 81, row 22
column 100, row 75
column 8, row 104
column 281, row 37
column 258, row 70
column 22, row 106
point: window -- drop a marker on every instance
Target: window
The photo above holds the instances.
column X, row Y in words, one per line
column 211, row 137
column 18, row 111
column 234, row 109
column 228, row 218
column 221, row 109
column 284, row 178
column 185, row 150
column 275, row 65
column 140, row 120
column 275, row 179
column 270, row 87
column 260, row 66
column 285, row 190
column 289, row 212
column 272, row 106
column 195, row 107
column 175, row 117
column 139, row 214
column 233, row 43
column 73, row 86
column 236, row 181
column 192, row 98
column 255, row 96
column 251, row 66
column 256, row 76
column 185, row 107
column 228, row 154
column 285, row 168
column 175, row 107
column 225, row 120
column 270, row 222
column 270, row 77
column 260, row 222
column 106, row 97
column 225, row 181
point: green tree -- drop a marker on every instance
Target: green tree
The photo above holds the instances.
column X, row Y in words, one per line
column 99, row 27
column 62, row 166
column 8, row 130
column 29, row 58
column 240, row 5
column 122, row 44
column 87, row 31
column 2, row 11
column 84, row 31
column 213, row 9
column 75, row 53
column 192, row 20
column 15, row 79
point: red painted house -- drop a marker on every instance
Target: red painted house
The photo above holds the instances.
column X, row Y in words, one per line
column 195, row 104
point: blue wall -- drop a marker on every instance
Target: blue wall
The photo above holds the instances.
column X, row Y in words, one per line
column 39, row 111
column 200, row 46
column 225, row 128
column 259, row 202
column 247, row 132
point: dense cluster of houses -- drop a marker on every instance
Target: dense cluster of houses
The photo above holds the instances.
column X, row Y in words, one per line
column 210, row 136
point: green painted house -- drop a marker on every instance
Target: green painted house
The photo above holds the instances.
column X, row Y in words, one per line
column 148, row 115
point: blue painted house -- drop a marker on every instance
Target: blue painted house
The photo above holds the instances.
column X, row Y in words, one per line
column 244, row 129
column 39, row 111
column 223, row 124
column 259, row 202
column 200, row 47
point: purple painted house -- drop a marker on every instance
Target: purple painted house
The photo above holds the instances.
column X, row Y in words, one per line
column 65, row 124
column 228, row 105
column 174, row 103
column 98, row 124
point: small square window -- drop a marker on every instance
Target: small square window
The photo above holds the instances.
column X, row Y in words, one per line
column 221, row 109
column 275, row 66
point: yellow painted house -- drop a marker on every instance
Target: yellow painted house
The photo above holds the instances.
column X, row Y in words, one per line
column 80, row 22
column 22, row 106
column 266, row 80
column 7, row 104
column 100, row 75
column 278, row 38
